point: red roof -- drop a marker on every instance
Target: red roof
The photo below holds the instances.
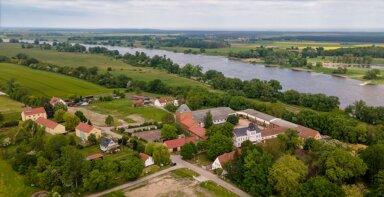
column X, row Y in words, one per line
column 176, row 143
column 187, row 122
column 198, row 131
column 138, row 102
column 144, row 156
column 47, row 123
column 31, row 111
column 224, row 158
column 84, row 127
column 165, row 99
column 305, row 132
column 94, row 156
column 54, row 100
column 139, row 97
column 273, row 131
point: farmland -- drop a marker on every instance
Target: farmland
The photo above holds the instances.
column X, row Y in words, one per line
column 41, row 83
column 9, row 108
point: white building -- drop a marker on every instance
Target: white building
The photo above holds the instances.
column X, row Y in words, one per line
column 251, row 133
column 147, row 159
column 108, row 145
column 222, row 159
column 161, row 102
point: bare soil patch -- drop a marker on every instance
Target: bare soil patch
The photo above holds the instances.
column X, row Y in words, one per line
column 96, row 118
column 137, row 118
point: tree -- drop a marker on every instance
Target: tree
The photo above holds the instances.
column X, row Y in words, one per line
column 319, row 187
column 256, row 171
column 217, row 145
column 81, row 116
column 71, row 121
column 109, row 120
column 92, row 139
column 168, row 118
column 59, row 114
column 72, row 163
column 225, row 129
column 131, row 168
column 378, row 184
column 150, row 147
column 287, row 174
column 60, row 105
column 188, row 150
column 233, row 119
column 373, row 157
column 372, row 74
column 169, row 131
column 290, row 140
column 49, row 109
column 340, row 165
column 161, row 155
column 208, row 122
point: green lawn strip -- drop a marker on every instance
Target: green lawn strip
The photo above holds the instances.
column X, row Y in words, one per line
column 217, row 189
column 11, row 183
column 185, row 173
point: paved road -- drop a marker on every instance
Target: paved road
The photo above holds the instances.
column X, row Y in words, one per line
column 130, row 184
column 209, row 176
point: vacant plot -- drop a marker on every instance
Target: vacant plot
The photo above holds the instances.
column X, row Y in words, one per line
column 10, row 109
column 11, row 183
column 42, row 83
column 101, row 61
column 96, row 118
column 122, row 109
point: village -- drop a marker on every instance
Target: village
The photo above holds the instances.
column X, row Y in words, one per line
column 250, row 125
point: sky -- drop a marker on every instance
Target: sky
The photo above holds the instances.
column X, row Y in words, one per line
column 307, row 15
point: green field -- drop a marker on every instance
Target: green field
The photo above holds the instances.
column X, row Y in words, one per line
column 10, row 109
column 101, row 61
column 42, row 83
column 121, row 108
column 217, row 189
column 11, row 183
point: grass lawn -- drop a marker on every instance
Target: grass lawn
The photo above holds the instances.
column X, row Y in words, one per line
column 121, row 155
column 42, row 83
column 201, row 160
column 121, row 108
column 10, row 109
column 11, row 183
column 101, row 61
column 185, row 173
column 217, row 189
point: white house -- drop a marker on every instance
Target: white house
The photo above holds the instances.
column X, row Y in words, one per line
column 108, row 145
column 222, row 159
column 55, row 100
column 161, row 102
column 33, row 113
column 251, row 133
column 147, row 159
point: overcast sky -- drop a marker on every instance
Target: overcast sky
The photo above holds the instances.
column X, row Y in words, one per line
column 361, row 15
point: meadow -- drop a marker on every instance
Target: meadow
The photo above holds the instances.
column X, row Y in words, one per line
column 9, row 108
column 101, row 61
column 42, row 83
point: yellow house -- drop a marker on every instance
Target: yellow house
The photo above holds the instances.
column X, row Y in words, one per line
column 50, row 126
column 83, row 131
column 33, row 113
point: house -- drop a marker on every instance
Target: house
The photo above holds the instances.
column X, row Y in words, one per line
column 33, row 113
column 138, row 103
column 108, row 145
column 219, row 115
column 55, row 100
column 161, row 102
column 138, row 97
column 221, row 160
column 251, row 133
column 83, row 131
column 185, row 118
column 51, row 127
column 94, row 156
column 176, row 144
column 147, row 159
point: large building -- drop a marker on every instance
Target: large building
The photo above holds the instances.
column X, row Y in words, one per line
column 50, row 126
column 185, row 118
column 251, row 133
column 83, row 131
column 219, row 115
column 33, row 113
column 176, row 144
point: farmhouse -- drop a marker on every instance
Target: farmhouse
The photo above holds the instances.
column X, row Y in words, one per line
column 251, row 133
column 83, row 131
column 51, row 127
column 55, row 100
column 108, row 145
column 219, row 115
column 221, row 160
column 161, row 102
column 184, row 117
column 147, row 159
column 33, row 113
column 176, row 144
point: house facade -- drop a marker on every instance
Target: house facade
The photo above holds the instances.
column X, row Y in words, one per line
column 83, row 131
column 251, row 133
column 51, row 127
column 33, row 113
column 221, row 160
column 161, row 102
column 148, row 161
column 185, row 118
column 108, row 145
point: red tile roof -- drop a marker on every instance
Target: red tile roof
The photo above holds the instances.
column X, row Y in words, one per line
column 54, row 100
column 165, row 99
column 84, row 127
column 198, row 131
column 224, row 158
column 144, row 156
column 187, row 122
column 46, row 123
column 176, row 143
column 273, row 131
column 138, row 102
column 94, row 156
column 139, row 97
column 305, row 132
column 31, row 111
